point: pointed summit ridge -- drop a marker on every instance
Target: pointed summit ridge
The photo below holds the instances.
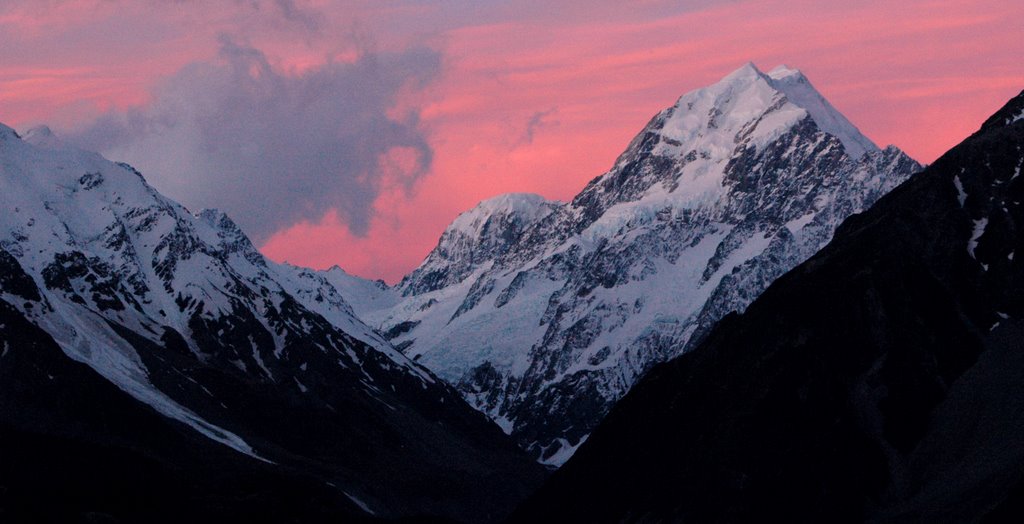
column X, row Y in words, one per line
column 800, row 92
column 748, row 101
column 747, row 71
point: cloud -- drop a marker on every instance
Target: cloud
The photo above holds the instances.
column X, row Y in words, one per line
column 274, row 148
column 536, row 122
column 295, row 13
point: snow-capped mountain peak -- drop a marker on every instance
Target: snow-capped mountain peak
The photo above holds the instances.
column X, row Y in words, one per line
column 546, row 313
column 750, row 102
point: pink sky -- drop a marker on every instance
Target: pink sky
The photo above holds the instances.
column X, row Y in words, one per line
column 530, row 98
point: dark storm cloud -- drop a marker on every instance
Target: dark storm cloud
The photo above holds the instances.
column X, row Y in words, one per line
column 273, row 148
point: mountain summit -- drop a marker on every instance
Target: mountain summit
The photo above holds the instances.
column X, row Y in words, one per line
column 880, row 381
column 546, row 313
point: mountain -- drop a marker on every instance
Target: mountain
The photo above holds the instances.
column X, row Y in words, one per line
column 880, row 381
column 154, row 349
column 545, row 313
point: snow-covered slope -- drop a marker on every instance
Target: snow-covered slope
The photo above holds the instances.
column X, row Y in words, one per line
column 109, row 248
column 182, row 313
column 544, row 325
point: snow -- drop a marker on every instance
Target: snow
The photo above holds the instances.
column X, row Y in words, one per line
column 506, row 424
column 746, row 95
column 530, row 207
column 645, row 210
column 485, row 333
column 708, row 120
column 42, row 136
column 362, row 505
column 565, row 451
column 746, row 102
column 94, row 343
column 364, row 296
column 800, row 92
column 979, row 229
column 797, row 224
column 259, row 359
column 961, row 194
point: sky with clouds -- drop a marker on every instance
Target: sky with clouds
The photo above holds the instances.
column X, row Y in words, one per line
column 353, row 132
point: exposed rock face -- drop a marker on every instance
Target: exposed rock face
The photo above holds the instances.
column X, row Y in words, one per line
column 880, row 381
column 546, row 313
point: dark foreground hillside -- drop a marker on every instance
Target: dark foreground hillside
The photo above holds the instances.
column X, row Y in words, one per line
column 77, row 449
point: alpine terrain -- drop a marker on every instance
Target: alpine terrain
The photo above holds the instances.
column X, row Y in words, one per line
column 155, row 366
column 880, row 381
column 545, row 313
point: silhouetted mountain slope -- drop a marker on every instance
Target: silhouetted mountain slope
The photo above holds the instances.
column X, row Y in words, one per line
column 77, row 449
column 882, row 380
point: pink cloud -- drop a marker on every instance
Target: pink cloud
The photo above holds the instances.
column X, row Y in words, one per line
column 918, row 74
